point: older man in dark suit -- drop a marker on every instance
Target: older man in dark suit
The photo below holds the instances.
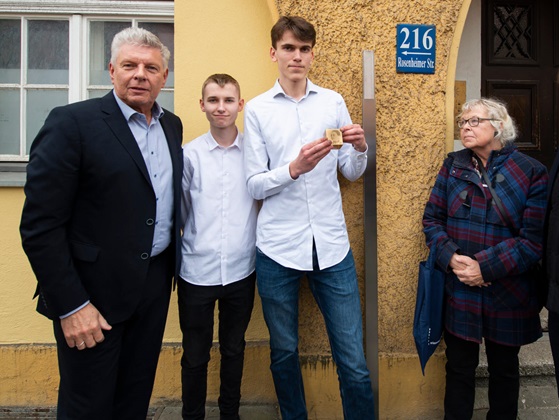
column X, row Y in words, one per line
column 100, row 227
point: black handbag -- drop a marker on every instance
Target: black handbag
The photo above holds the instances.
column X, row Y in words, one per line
column 536, row 272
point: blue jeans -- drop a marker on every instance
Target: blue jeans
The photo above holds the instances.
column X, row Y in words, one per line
column 336, row 292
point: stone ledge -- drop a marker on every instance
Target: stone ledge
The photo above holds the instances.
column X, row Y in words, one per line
column 535, row 360
column 252, row 412
column 168, row 412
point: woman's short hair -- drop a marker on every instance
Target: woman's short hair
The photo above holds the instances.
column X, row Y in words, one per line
column 139, row 37
column 302, row 29
column 505, row 128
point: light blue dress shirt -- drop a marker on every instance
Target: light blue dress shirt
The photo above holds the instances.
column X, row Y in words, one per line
column 153, row 145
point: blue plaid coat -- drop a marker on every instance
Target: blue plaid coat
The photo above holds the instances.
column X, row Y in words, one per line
column 461, row 217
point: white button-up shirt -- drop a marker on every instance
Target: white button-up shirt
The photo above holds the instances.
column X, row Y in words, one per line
column 296, row 212
column 218, row 243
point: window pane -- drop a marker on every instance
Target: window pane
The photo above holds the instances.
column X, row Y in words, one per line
column 9, row 122
column 10, row 53
column 165, row 32
column 48, row 51
column 97, row 93
column 100, row 38
column 39, row 104
column 165, row 99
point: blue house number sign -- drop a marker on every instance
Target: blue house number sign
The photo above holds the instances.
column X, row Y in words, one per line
column 415, row 50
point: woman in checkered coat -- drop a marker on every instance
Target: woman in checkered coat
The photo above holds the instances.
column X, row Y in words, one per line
column 489, row 294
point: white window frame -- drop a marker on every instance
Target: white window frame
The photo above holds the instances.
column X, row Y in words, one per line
column 79, row 14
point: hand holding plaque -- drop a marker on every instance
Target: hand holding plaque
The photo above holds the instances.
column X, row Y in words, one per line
column 335, row 136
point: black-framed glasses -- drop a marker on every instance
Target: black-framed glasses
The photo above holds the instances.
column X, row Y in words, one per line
column 474, row 121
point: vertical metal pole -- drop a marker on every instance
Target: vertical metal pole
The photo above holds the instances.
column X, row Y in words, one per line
column 370, row 209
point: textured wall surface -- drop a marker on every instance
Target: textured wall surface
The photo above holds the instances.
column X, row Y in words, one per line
column 411, row 129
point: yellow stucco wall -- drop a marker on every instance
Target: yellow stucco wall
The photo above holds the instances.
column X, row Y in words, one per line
column 19, row 324
column 414, row 131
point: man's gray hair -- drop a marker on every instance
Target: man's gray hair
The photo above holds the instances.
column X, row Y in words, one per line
column 139, row 37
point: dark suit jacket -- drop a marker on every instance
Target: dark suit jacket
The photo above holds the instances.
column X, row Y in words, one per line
column 551, row 265
column 87, row 220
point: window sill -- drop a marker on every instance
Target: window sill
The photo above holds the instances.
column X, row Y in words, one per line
column 12, row 174
column 12, row 179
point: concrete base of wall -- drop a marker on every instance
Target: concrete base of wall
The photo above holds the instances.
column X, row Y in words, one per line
column 404, row 393
column 29, row 377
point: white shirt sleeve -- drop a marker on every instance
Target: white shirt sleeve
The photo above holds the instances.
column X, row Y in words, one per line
column 261, row 181
column 351, row 163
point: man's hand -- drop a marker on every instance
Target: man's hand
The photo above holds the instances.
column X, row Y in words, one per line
column 467, row 270
column 354, row 135
column 309, row 156
column 84, row 329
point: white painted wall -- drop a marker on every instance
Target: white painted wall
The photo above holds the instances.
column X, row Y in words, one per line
column 468, row 67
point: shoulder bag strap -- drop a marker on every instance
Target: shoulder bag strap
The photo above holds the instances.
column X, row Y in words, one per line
column 494, row 195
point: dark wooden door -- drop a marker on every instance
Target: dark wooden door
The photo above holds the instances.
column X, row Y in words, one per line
column 520, row 65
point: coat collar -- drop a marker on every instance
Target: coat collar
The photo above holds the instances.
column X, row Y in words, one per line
column 463, row 158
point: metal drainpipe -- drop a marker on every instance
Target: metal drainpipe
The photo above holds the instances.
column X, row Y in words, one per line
column 370, row 216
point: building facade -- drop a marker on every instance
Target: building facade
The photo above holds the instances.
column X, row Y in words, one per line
column 483, row 47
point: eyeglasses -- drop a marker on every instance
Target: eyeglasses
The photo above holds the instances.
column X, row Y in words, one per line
column 474, row 121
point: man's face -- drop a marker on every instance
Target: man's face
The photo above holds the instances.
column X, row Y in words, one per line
column 294, row 57
column 138, row 76
column 221, row 104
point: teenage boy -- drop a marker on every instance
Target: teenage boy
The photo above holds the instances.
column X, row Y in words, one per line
column 218, row 251
column 301, row 229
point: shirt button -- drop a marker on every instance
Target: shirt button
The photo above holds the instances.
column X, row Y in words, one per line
column 149, row 222
column 144, row 256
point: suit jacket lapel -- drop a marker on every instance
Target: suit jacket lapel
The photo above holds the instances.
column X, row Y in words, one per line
column 117, row 123
column 173, row 134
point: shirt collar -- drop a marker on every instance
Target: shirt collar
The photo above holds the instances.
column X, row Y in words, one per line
column 213, row 144
column 278, row 90
column 465, row 157
column 156, row 111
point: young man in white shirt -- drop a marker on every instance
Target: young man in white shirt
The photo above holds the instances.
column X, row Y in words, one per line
column 218, row 252
column 301, row 230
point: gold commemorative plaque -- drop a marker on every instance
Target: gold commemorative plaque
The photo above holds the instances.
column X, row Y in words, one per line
column 335, row 136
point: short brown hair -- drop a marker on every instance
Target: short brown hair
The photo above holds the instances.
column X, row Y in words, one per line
column 221, row 79
column 302, row 29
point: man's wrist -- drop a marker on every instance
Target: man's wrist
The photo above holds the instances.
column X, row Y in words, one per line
column 361, row 148
column 79, row 308
column 292, row 173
